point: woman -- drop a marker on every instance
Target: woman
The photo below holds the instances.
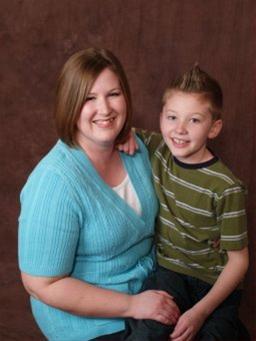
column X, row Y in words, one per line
column 87, row 213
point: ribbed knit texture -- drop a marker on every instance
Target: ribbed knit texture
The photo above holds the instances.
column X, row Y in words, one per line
column 73, row 223
column 199, row 204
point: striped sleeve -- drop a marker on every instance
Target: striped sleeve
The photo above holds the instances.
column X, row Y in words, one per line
column 152, row 140
column 231, row 215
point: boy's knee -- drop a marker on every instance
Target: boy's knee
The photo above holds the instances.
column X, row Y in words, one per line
column 219, row 330
column 147, row 330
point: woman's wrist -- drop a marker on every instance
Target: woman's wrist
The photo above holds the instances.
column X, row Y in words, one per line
column 130, row 302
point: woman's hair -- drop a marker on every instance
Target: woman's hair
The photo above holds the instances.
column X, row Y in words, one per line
column 74, row 84
column 197, row 81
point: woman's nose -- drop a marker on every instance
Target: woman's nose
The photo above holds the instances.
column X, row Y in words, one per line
column 103, row 106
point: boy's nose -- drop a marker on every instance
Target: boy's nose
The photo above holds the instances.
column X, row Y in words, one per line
column 181, row 128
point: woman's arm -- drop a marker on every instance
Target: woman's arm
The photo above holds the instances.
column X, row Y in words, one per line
column 81, row 298
column 191, row 321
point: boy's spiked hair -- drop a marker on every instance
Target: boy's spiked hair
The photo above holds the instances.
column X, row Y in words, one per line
column 199, row 82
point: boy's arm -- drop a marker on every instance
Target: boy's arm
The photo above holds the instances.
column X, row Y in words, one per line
column 130, row 145
column 233, row 273
column 150, row 139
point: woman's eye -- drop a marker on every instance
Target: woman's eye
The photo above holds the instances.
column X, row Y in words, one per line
column 89, row 98
column 114, row 94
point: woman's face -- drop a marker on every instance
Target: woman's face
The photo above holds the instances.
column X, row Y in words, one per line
column 103, row 114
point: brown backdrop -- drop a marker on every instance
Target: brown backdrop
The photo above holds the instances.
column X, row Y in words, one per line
column 155, row 40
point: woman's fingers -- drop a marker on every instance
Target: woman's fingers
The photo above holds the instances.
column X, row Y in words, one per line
column 155, row 305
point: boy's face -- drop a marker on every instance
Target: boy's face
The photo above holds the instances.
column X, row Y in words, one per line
column 186, row 123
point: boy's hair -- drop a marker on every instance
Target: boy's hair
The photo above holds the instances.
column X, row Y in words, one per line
column 75, row 82
column 199, row 82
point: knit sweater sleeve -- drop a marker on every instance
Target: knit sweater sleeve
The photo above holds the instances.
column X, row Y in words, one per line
column 48, row 225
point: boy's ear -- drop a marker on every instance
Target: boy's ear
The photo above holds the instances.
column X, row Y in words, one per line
column 215, row 129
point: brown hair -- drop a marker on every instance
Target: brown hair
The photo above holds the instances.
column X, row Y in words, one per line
column 199, row 82
column 74, row 83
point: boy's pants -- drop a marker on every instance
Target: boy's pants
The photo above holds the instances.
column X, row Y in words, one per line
column 222, row 324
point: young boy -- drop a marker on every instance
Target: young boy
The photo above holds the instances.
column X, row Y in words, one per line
column 201, row 202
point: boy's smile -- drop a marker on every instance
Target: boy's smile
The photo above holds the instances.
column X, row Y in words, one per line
column 186, row 123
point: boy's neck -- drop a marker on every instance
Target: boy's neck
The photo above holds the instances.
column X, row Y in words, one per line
column 197, row 165
column 204, row 154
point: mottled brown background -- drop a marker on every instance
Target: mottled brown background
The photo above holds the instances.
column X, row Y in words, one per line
column 155, row 40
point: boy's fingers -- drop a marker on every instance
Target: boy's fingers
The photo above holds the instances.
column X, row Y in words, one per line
column 119, row 147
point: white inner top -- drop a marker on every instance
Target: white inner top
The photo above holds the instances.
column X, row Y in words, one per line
column 126, row 191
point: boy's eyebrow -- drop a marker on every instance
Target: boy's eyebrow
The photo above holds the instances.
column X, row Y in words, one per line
column 192, row 113
column 171, row 110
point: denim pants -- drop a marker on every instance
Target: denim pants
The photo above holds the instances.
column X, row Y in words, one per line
column 120, row 336
column 222, row 324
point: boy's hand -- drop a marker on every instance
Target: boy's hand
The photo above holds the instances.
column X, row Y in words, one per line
column 154, row 305
column 130, row 146
column 187, row 326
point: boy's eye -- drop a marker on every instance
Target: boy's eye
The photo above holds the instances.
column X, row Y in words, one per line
column 195, row 120
column 171, row 117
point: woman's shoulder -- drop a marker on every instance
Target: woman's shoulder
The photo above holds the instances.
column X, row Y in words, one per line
column 50, row 159
column 54, row 167
column 55, row 178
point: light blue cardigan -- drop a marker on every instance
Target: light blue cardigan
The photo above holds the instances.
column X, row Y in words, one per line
column 73, row 223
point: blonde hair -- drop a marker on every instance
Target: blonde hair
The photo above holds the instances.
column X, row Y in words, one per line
column 75, row 81
column 199, row 82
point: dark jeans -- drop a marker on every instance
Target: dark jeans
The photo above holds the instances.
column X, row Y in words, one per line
column 120, row 336
column 222, row 324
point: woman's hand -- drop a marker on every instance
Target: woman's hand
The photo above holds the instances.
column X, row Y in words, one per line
column 187, row 326
column 154, row 305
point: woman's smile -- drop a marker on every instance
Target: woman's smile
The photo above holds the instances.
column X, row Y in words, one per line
column 103, row 114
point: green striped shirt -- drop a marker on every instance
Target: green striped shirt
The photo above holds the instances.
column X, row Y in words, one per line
column 198, row 204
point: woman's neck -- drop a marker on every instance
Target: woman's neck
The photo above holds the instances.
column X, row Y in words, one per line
column 98, row 153
column 106, row 160
column 101, row 156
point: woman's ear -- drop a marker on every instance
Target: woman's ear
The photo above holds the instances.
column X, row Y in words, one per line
column 215, row 129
